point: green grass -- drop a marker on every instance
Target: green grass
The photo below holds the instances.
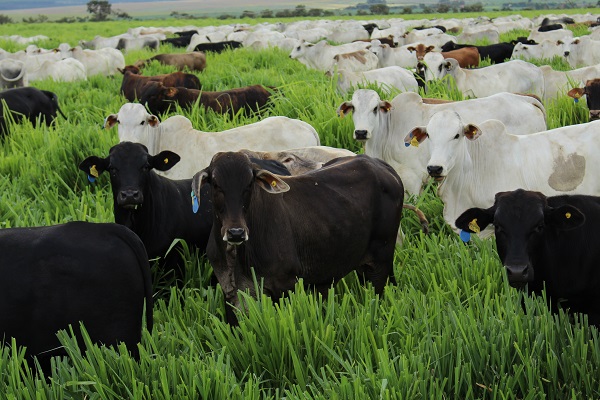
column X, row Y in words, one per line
column 451, row 328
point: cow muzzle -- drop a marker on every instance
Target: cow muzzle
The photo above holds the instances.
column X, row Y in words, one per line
column 594, row 115
column 436, row 172
column 518, row 275
column 130, row 198
column 361, row 135
column 567, row 53
column 235, row 236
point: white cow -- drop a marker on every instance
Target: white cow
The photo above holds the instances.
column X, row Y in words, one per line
column 320, row 56
column 515, row 76
column 547, row 49
column 475, row 162
column 196, row 148
column 393, row 56
column 559, row 82
column 554, row 36
column 12, row 74
column 489, row 34
column 387, row 78
column 581, row 51
column 360, row 60
column 66, row 70
column 100, row 42
column 382, row 125
column 105, row 61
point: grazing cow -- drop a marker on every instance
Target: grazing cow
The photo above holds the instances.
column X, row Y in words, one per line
column 137, row 43
column 489, row 34
column 393, row 56
column 133, row 84
column 359, row 233
column 467, row 57
column 182, row 41
column 581, row 51
column 591, row 90
column 476, row 162
column 560, row 34
column 159, row 98
column 547, row 49
column 320, row 56
column 515, row 76
column 382, row 125
column 194, row 61
column 550, row 27
column 105, row 61
column 219, row 46
column 557, row 82
column 357, row 61
column 12, row 74
column 29, row 103
column 497, row 53
column 79, row 272
column 196, row 147
column 100, row 42
column 66, row 70
column 387, row 77
column 546, row 242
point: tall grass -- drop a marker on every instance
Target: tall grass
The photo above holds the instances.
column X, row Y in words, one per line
column 451, row 327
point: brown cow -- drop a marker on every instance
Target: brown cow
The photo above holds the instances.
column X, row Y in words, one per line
column 158, row 98
column 467, row 57
column 194, row 61
column 133, row 84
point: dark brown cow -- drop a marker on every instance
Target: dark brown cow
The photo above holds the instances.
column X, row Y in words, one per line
column 194, row 61
column 159, row 98
column 283, row 228
column 467, row 57
column 133, row 84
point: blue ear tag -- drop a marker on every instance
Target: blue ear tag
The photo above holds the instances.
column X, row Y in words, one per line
column 195, row 205
column 576, row 100
column 407, row 144
column 465, row 236
column 91, row 179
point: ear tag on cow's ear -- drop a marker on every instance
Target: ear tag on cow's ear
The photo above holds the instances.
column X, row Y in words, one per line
column 465, row 236
column 414, row 141
column 576, row 100
column 91, row 179
column 94, row 171
column 341, row 113
column 195, row 205
column 568, row 215
column 406, row 144
column 166, row 160
column 473, row 226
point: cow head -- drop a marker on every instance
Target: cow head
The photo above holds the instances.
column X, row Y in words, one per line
column 592, row 92
column 433, row 66
column 447, row 134
column 300, row 49
column 367, row 108
column 420, row 50
column 130, row 166
column 235, row 182
column 134, row 123
column 521, row 219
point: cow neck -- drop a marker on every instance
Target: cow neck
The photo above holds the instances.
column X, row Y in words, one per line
column 381, row 138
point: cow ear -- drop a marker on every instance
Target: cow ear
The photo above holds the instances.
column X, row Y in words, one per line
column 471, row 131
column 416, row 136
column 93, row 166
column 345, row 108
column 385, row 105
column 448, row 66
column 429, row 48
column 110, row 121
column 164, row 161
column 474, row 220
column 411, row 49
column 576, row 93
column 153, row 121
column 199, row 179
column 564, row 218
column 270, row 183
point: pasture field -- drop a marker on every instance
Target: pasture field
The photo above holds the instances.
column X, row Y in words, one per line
column 450, row 328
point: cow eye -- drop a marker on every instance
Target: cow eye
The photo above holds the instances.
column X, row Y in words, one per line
column 142, row 123
column 375, row 110
column 539, row 228
column 288, row 160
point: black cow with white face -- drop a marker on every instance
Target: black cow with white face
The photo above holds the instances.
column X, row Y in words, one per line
column 29, row 103
column 547, row 242
column 591, row 90
column 318, row 226
column 61, row 275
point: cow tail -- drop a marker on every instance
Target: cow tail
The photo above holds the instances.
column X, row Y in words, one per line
column 421, row 215
column 54, row 99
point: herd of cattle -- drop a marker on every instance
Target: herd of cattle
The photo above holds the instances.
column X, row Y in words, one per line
column 253, row 196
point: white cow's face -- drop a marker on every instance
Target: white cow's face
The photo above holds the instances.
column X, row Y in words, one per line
column 367, row 108
column 569, row 45
column 299, row 50
column 434, row 66
column 375, row 48
column 135, row 123
column 447, row 134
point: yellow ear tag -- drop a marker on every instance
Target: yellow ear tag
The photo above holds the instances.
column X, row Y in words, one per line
column 473, row 226
column 273, row 183
column 576, row 95
column 414, row 141
column 94, row 171
column 166, row 160
column 341, row 113
column 568, row 215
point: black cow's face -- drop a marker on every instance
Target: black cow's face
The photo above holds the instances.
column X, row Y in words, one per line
column 592, row 92
column 234, row 180
column 129, row 165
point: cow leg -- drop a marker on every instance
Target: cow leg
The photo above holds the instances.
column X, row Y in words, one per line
column 379, row 270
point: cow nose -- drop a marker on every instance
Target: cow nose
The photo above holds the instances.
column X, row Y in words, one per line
column 567, row 53
column 517, row 274
column 360, row 134
column 434, row 170
column 594, row 115
column 235, row 235
column 130, row 196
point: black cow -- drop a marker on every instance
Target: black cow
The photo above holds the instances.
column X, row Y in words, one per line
column 182, row 41
column 61, row 275
column 218, row 47
column 550, row 27
column 189, row 33
column 547, row 242
column 29, row 103
column 158, row 209
column 591, row 90
column 318, row 226
column 497, row 53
